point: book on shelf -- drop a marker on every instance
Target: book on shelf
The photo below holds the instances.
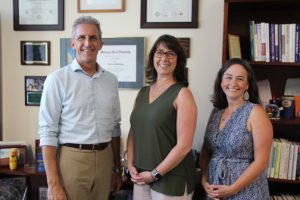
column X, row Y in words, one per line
column 290, row 161
column 295, row 158
column 277, row 159
column 276, row 43
column 272, row 160
column 280, row 42
column 259, row 43
column 284, row 161
column 298, row 39
column 298, row 165
column 272, row 43
column 297, row 43
column 251, row 34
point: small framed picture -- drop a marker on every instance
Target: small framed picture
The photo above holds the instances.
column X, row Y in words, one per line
column 94, row 6
column 33, row 90
column 185, row 43
column 234, row 46
column 35, row 52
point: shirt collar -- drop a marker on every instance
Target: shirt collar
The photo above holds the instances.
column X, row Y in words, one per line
column 76, row 67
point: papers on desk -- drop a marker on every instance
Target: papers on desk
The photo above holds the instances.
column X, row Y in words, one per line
column 264, row 90
column 292, row 87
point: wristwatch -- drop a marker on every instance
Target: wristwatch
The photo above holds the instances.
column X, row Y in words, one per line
column 155, row 174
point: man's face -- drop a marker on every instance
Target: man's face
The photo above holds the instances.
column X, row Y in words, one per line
column 86, row 43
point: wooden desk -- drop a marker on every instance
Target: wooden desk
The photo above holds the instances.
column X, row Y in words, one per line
column 34, row 179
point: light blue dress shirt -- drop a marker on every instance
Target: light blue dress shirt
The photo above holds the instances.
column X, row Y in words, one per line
column 77, row 108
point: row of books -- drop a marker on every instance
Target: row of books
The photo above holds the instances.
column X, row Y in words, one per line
column 274, row 42
column 285, row 197
column 284, row 160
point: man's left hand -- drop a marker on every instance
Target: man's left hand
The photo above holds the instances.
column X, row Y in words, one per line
column 116, row 182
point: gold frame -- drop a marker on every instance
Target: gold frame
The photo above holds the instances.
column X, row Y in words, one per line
column 96, row 10
column 234, row 46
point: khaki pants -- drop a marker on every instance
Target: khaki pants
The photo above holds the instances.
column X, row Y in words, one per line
column 144, row 192
column 86, row 174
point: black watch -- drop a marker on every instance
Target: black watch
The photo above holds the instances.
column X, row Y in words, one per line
column 155, row 174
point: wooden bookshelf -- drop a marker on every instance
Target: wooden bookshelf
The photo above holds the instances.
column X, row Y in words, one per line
column 237, row 14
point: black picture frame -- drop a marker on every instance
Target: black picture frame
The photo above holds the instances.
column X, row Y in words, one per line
column 34, row 86
column 191, row 24
column 35, row 52
column 36, row 25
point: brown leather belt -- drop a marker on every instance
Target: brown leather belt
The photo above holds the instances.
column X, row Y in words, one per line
column 100, row 146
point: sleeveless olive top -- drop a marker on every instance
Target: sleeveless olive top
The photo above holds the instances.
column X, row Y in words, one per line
column 153, row 127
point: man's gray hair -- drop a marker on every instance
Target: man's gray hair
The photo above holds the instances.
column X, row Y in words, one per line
column 86, row 20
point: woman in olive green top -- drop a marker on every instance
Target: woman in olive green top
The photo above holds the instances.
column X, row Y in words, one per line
column 163, row 123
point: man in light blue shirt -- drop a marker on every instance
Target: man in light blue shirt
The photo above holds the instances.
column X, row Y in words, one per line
column 79, row 122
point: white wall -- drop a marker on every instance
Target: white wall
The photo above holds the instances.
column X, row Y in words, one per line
column 20, row 122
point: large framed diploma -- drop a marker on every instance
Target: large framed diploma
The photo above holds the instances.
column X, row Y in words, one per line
column 169, row 14
column 124, row 57
column 39, row 15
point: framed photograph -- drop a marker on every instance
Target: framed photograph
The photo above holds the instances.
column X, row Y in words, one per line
column 169, row 14
column 185, row 43
column 38, row 15
column 33, row 90
column 84, row 6
column 123, row 57
column 234, row 46
column 35, row 52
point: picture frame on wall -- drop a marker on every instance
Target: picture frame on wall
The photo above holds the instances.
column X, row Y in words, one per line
column 169, row 14
column 122, row 56
column 38, row 15
column 185, row 43
column 35, row 52
column 94, row 6
column 34, row 86
column 234, row 46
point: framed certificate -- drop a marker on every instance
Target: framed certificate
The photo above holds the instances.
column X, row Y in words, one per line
column 39, row 15
column 100, row 6
column 169, row 14
column 124, row 57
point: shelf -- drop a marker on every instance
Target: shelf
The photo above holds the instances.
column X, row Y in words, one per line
column 283, row 181
column 288, row 122
column 21, row 171
column 275, row 64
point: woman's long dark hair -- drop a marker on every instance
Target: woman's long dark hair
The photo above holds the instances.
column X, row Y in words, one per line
column 219, row 98
column 180, row 72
